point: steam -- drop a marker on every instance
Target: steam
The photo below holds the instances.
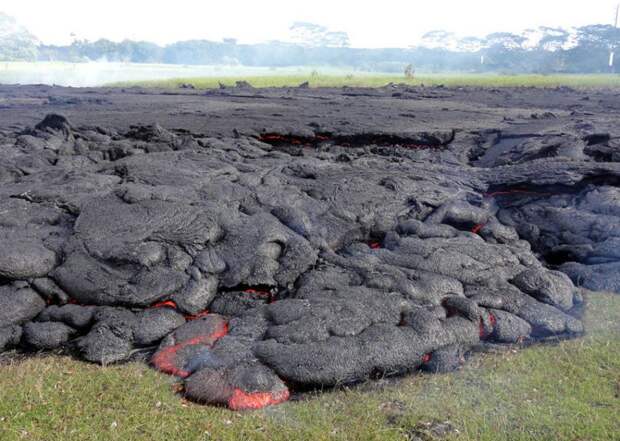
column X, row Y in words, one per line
column 102, row 72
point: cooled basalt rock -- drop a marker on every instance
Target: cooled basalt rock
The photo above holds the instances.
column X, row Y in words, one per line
column 306, row 251
column 10, row 336
column 19, row 304
column 111, row 338
column 47, row 335
column 577, row 231
column 23, row 258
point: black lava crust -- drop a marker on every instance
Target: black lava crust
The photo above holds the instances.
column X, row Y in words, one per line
column 258, row 241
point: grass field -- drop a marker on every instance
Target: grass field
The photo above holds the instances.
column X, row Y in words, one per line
column 378, row 80
column 566, row 391
column 171, row 76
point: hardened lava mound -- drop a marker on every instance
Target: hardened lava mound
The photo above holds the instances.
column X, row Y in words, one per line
column 256, row 243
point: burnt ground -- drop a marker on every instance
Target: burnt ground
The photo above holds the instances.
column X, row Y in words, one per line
column 259, row 242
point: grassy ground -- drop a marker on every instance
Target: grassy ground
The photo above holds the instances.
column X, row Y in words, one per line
column 566, row 391
column 377, row 80
column 171, row 75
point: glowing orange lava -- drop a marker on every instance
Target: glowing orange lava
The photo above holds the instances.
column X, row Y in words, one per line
column 259, row 292
column 241, row 400
column 165, row 304
column 201, row 314
column 476, row 229
column 165, row 359
column 492, row 321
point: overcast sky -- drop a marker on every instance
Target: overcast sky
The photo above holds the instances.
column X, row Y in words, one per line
column 385, row 23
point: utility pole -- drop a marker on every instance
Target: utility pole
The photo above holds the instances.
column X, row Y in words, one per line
column 613, row 45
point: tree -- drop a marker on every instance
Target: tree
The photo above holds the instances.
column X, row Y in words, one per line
column 16, row 43
column 314, row 35
column 470, row 44
column 439, row 39
column 553, row 39
column 505, row 41
column 409, row 71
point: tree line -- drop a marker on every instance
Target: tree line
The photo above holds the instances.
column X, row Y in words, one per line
column 582, row 50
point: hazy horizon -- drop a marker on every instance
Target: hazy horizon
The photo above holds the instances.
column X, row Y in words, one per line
column 390, row 24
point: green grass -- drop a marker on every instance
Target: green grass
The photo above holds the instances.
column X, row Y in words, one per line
column 172, row 75
column 566, row 391
column 377, row 80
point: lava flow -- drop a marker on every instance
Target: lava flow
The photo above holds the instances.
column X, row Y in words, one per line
column 361, row 140
column 166, row 358
column 172, row 305
column 476, row 229
column 241, row 400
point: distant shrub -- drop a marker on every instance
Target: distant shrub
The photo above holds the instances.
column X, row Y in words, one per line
column 409, row 71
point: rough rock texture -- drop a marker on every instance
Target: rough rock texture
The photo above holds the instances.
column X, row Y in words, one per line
column 262, row 240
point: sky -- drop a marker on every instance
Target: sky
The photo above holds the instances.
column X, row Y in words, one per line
column 385, row 23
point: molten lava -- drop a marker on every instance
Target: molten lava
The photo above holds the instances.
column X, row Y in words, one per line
column 382, row 140
column 241, row 400
column 277, row 139
column 172, row 305
column 426, row 358
column 165, row 358
column 492, row 321
column 201, row 314
column 476, row 229
column 165, row 304
column 259, row 292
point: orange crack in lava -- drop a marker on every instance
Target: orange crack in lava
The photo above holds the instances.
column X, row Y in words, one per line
column 262, row 293
column 426, row 358
column 165, row 358
column 493, row 322
column 476, row 229
column 201, row 314
column 374, row 245
column 241, row 400
column 165, row 304
column 290, row 139
column 172, row 305
column 259, row 292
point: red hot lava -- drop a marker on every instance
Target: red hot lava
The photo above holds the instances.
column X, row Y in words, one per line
column 262, row 293
column 492, row 321
column 165, row 359
column 241, row 400
column 383, row 140
column 197, row 316
column 476, row 229
column 172, row 305
column 165, row 304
